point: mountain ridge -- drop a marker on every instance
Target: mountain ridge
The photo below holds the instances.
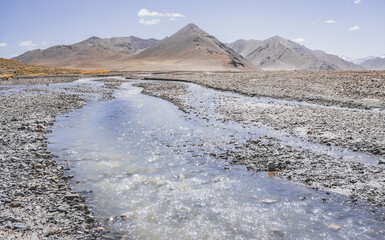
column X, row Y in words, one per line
column 189, row 49
column 377, row 63
column 89, row 53
column 277, row 53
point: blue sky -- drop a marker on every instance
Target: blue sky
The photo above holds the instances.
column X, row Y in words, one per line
column 352, row 28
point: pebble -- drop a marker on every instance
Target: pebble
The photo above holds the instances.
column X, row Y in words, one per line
column 71, row 196
column 38, row 166
column 19, row 226
column 15, row 204
column 335, row 226
column 269, row 200
column 271, row 166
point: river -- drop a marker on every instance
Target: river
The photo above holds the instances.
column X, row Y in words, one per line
column 148, row 173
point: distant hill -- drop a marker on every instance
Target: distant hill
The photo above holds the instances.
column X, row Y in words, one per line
column 245, row 47
column 377, row 63
column 357, row 61
column 93, row 53
column 278, row 53
column 189, row 49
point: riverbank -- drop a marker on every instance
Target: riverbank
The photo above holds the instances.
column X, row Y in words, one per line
column 36, row 198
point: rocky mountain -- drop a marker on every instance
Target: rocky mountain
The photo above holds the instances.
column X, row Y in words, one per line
column 93, row 53
column 278, row 53
column 189, row 49
column 377, row 63
column 245, row 47
column 357, row 61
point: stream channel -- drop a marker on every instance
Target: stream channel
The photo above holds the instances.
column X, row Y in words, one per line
column 147, row 173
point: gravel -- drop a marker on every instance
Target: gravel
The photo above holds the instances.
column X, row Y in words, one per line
column 36, row 200
column 360, row 89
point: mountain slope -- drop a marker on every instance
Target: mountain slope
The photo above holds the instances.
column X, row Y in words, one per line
column 357, row 61
column 278, row 53
column 377, row 63
column 189, row 49
column 91, row 53
column 245, row 47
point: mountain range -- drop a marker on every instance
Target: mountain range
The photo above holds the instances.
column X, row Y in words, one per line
column 93, row 53
column 189, row 49
column 376, row 63
column 277, row 53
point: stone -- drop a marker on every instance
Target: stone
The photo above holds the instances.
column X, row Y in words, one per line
column 71, row 196
column 62, row 209
column 19, row 226
column 15, row 204
column 38, row 166
column 269, row 200
column 81, row 207
column 90, row 219
column 335, row 226
column 271, row 166
column 6, row 200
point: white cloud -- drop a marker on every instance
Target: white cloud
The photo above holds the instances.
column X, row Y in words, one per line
column 357, row 1
column 144, row 14
column 174, row 15
column 354, row 28
column 28, row 44
column 149, row 22
column 298, row 40
column 330, row 21
column 3, row 44
column 45, row 43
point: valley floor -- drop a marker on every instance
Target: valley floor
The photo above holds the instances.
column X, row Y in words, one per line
column 343, row 113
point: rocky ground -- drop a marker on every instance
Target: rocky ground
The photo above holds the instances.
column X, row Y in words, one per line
column 36, row 200
column 355, row 130
column 362, row 89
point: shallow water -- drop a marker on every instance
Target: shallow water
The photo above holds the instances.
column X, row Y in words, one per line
column 211, row 100
column 144, row 161
column 89, row 83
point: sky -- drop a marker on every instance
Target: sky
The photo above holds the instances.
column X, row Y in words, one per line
column 350, row 28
